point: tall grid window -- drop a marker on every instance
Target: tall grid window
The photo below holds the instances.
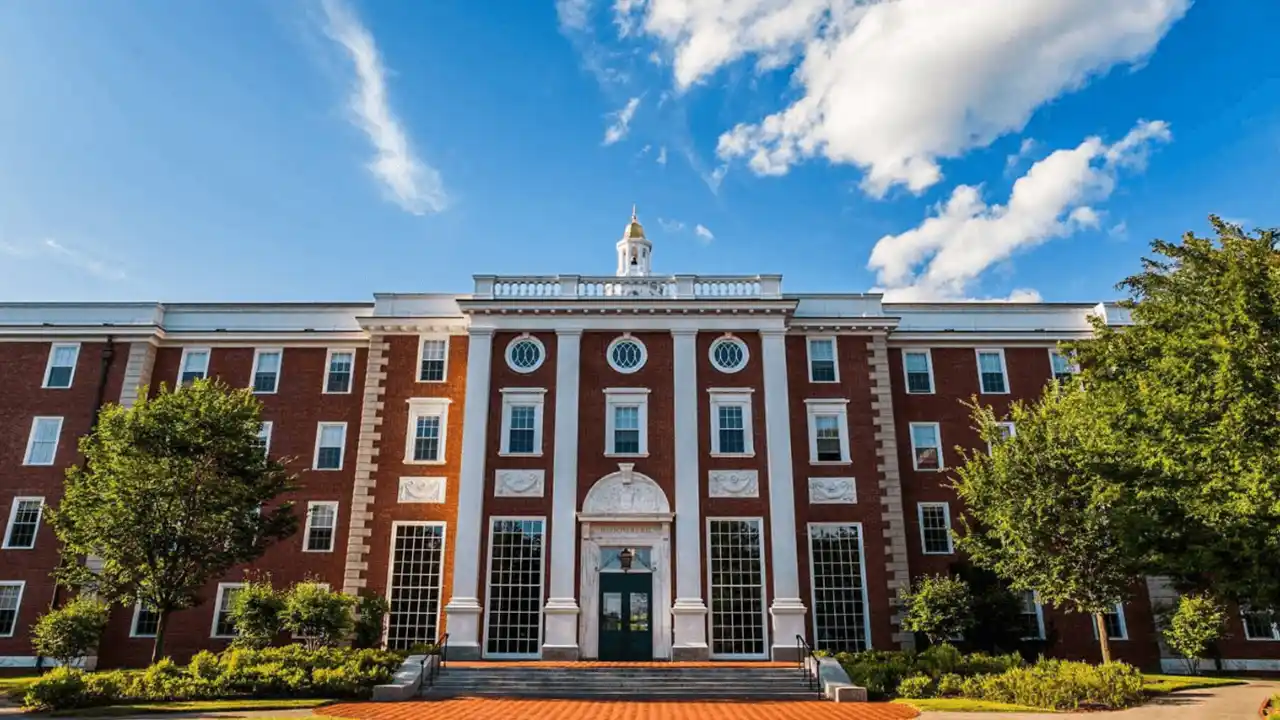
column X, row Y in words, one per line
column 337, row 378
column 514, row 601
column 322, row 520
column 1032, row 620
column 433, row 359
column 926, row 446
column 827, row 437
column 146, row 622
column 62, row 366
column 426, row 438
column 10, row 599
column 520, row 437
column 24, row 521
column 330, row 440
column 822, row 360
column 42, row 445
column 732, row 430
column 266, row 371
column 626, row 429
column 737, row 588
column 991, row 371
column 195, row 366
column 1259, row 624
column 417, row 558
column 919, row 374
column 935, row 528
column 839, row 598
column 223, row 624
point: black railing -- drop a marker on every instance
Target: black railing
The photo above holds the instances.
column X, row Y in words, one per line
column 442, row 653
column 809, row 665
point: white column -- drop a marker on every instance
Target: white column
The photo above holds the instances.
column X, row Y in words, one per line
column 561, row 639
column 463, row 613
column 787, row 609
column 689, row 611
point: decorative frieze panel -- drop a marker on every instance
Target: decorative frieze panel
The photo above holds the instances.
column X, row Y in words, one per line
column 832, row 491
column 733, row 483
column 519, row 483
column 421, row 490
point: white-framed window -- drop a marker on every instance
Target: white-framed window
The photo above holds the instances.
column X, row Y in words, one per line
column 331, row 444
column 522, row 421
column 322, row 526
column 264, row 436
column 513, row 616
column 193, row 366
column 146, row 622
column 993, row 376
column 42, row 443
column 414, row 580
column 626, row 421
column 10, row 603
column 626, row 354
column 736, row 579
column 926, row 446
column 728, row 354
column 428, row 426
column 840, row 618
column 822, row 360
column 433, row 358
column 828, row 431
column 918, row 368
column 266, row 370
column 935, row 528
column 1259, row 624
column 61, row 370
column 1117, row 628
column 24, row 523
column 525, row 353
column 1031, row 615
column 1007, row 430
column 731, row 432
column 223, row 625
column 1064, row 369
column 339, row 371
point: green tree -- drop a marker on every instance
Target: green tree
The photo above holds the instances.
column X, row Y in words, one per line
column 171, row 496
column 371, row 609
column 317, row 615
column 939, row 606
column 1195, row 624
column 1191, row 390
column 1045, row 510
column 72, row 631
column 256, row 611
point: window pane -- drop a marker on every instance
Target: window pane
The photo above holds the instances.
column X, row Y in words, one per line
column 417, row 560
column 44, row 442
column 433, row 356
column 732, row 437
column 225, row 625
column 839, row 609
column 195, row 366
column 626, row 433
column 521, row 439
column 822, row 365
column 146, row 622
column 1030, row 615
column 264, row 378
column 827, row 430
column 1259, row 624
column 514, row 612
column 426, row 438
column 935, row 529
column 927, row 448
column 26, row 521
column 1115, row 627
column 323, row 521
column 918, row 380
column 9, row 608
column 1062, row 367
column 992, row 372
column 332, row 439
column 737, row 601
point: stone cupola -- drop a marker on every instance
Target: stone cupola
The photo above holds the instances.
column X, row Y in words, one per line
column 635, row 252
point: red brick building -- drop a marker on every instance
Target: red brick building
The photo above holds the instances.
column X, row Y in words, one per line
column 769, row 465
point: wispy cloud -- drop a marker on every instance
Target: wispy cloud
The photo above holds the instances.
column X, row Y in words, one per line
column 410, row 183
column 54, row 251
column 704, row 235
column 671, row 226
column 662, row 155
column 621, row 124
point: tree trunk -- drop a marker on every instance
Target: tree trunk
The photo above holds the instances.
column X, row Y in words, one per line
column 157, row 648
column 1103, row 641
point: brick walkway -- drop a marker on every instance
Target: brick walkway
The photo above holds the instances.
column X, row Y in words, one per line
column 486, row 709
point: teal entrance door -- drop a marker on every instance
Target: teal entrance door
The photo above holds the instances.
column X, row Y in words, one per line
column 626, row 630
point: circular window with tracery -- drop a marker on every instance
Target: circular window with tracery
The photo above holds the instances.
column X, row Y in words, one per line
column 729, row 354
column 626, row 354
column 525, row 354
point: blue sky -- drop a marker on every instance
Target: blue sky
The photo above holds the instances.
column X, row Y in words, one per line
column 205, row 151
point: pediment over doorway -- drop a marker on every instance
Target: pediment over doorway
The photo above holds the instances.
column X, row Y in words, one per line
column 625, row 493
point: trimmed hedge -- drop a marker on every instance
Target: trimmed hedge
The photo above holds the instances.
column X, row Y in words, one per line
column 290, row 671
column 881, row 672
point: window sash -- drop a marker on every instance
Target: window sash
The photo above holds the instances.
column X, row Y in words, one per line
column 223, row 625
column 1260, row 624
column 62, row 366
column 1029, row 610
column 323, row 520
column 332, row 440
column 520, row 434
column 266, row 372
column 935, row 529
column 626, row 429
column 426, row 438
column 827, row 437
column 24, row 524
column 919, row 375
column 10, row 599
column 195, row 366
column 146, row 622
column 433, row 357
column 926, row 447
column 44, row 441
column 991, row 369
column 732, row 429
column 822, row 360
column 338, row 374
column 1061, row 365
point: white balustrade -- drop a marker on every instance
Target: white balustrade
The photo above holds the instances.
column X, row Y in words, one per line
column 677, row 287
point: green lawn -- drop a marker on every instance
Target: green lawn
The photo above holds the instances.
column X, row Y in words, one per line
column 965, row 705
column 195, row 706
column 1162, row 684
column 13, row 687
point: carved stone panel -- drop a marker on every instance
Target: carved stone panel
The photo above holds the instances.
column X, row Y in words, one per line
column 832, row 491
column 421, row 490
column 625, row 493
column 733, row 483
column 519, row 483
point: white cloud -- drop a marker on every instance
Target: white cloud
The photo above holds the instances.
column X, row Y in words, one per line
column 662, row 155
column 54, row 251
column 621, row 124
column 573, row 14
column 965, row 236
column 412, row 184
column 671, row 226
column 1025, row 151
column 704, row 235
column 894, row 86
column 1119, row 231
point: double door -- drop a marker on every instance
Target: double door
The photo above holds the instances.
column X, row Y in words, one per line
column 626, row 628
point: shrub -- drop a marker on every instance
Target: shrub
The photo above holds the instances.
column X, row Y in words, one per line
column 72, row 631
column 939, row 660
column 950, row 685
column 1195, row 624
column 984, row 664
column 916, row 686
column 61, row 687
column 317, row 615
column 941, row 607
column 370, row 610
column 882, row 673
column 1061, row 685
column 256, row 613
column 204, row 665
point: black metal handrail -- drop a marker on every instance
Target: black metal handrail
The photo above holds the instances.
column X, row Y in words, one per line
column 809, row 664
column 442, row 652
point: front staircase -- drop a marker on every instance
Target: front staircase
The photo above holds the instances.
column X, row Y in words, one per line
column 649, row 682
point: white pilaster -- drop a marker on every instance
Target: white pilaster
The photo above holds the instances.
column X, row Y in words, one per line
column 787, row 609
column 561, row 639
column 689, row 611
column 463, row 612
